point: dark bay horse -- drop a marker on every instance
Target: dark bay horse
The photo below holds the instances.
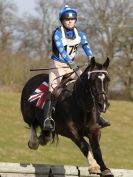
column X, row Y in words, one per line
column 76, row 112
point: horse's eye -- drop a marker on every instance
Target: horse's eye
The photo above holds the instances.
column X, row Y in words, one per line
column 108, row 79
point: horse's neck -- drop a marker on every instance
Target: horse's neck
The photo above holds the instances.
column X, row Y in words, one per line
column 83, row 95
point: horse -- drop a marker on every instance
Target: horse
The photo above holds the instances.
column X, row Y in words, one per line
column 75, row 113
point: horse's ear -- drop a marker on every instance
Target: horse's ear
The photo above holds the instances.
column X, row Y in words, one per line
column 106, row 63
column 92, row 62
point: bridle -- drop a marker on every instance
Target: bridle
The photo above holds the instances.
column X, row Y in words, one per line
column 93, row 93
column 98, row 71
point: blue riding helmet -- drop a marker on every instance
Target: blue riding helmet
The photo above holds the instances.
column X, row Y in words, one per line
column 67, row 12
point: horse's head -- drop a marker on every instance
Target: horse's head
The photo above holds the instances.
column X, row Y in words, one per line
column 98, row 80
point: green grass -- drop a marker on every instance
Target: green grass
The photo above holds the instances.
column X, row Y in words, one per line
column 116, row 141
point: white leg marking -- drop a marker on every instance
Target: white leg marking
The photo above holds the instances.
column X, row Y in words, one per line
column 93, row 166
column 33, row 141
column 33, row 134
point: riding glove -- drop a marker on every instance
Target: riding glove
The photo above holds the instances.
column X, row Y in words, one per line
column 72, row 65
column 89, row 59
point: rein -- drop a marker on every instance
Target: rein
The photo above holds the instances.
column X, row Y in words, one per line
column 69, row 74
column 65, row 81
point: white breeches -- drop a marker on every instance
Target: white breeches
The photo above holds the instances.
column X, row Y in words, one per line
column 60, row 70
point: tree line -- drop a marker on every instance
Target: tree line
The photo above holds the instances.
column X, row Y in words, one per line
column 25, row 41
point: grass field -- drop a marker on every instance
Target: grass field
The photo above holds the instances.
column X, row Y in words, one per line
column 116, row 141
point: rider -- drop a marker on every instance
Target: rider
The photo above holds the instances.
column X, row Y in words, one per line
column 65, row 40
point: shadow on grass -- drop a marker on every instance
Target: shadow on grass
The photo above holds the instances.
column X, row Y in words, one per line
column 44, row 170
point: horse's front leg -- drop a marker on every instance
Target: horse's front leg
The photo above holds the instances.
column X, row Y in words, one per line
column 33, row 142
column 85, row 149
column 94, row 141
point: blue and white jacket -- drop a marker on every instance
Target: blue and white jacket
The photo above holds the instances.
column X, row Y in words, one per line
column 65, row 43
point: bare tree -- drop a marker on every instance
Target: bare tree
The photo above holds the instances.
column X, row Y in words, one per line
column 102, row 20
column 108, row 25
column 122, row 67
column 36, row 31
column 109, row 30
column 7, row 19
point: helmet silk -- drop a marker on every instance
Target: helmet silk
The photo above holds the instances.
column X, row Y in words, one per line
column 67, row 12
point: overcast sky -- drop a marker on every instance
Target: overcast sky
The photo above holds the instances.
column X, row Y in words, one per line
column 25, row 6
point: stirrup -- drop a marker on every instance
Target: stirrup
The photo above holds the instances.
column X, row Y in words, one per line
column 52, row 122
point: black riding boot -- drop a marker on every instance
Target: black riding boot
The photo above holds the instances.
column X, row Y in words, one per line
column 102, row 122
column 48, row 126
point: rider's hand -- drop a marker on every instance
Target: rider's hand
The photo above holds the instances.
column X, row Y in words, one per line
column 72, row 65
column 89, row 59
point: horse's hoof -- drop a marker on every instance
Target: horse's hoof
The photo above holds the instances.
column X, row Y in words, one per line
column 43, row 140
column 95, row 170
column 107, row 173
column 33, row 145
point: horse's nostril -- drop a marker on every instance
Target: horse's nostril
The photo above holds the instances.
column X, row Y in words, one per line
column 108, row 104
column 100, row 105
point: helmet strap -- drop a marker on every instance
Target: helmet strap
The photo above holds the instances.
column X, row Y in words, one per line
column 68, row 28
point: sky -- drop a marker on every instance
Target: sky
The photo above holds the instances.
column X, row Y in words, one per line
column 25, row 6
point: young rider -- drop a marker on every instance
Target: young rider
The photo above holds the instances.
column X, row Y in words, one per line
column 65, row 41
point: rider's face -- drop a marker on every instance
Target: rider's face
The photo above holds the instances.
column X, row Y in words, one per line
column 69, row 23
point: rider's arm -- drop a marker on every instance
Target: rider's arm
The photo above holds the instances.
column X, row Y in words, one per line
column 85, row 45
column 59, row 44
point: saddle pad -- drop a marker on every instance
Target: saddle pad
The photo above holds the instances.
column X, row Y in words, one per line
column 38, row 97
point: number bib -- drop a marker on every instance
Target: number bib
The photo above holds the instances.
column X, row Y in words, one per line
column 70, row 44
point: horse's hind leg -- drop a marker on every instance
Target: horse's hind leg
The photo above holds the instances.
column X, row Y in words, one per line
column 33, row 142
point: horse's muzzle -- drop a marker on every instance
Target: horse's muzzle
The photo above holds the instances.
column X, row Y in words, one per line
column 102, row 106
column 102, row 103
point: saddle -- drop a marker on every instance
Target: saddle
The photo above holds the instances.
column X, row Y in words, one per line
column 65, row 87
column 39, row 95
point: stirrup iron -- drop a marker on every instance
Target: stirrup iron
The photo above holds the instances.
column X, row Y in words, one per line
column 52, row 122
